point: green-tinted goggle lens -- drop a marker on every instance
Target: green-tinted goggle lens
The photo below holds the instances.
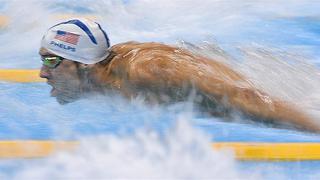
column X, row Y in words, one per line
column 51, row 62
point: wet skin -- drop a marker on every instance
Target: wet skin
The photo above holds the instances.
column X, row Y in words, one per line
column 64, row 79
column 71, row 80
column 166, row 74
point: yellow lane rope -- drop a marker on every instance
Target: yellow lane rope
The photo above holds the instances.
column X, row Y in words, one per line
column 3, row 21
column 20, row 75
column 273, row 151
column 33, row 149
column 242, row 150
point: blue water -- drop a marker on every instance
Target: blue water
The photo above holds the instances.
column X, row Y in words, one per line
column 27, row 111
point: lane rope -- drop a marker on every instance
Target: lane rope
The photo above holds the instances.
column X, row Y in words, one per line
column 272, row 151
column 20, row 75
column 33, row 149
column 241, row 150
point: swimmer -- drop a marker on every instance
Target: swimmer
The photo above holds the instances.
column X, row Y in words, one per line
column 78, row 61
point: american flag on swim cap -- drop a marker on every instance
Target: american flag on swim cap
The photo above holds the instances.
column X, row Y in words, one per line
column 67, row 37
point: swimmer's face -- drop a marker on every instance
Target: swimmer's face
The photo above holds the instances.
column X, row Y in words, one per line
column 64, row 79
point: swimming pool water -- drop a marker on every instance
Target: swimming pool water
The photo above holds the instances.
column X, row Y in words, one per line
column 27, row 111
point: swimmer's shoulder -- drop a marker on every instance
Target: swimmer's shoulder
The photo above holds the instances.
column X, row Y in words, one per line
column 126, row 47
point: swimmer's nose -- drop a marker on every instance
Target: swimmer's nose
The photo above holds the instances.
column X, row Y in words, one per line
column 45, row 72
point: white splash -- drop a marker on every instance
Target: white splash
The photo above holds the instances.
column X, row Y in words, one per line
column 182, row 153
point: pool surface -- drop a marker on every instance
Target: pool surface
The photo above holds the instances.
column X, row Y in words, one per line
column 275, row 44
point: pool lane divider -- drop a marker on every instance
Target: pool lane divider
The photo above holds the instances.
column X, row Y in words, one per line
column 20, row 75
column 3, row 21
column 272, row 151
column 33, row 149
column 248, row 151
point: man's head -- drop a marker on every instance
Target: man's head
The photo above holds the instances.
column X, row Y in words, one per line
column 68, row 50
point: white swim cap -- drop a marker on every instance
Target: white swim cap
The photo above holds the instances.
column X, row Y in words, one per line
column 78, row 40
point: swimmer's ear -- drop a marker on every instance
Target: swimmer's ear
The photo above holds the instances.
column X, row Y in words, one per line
column 84, row 67
column 84, row 70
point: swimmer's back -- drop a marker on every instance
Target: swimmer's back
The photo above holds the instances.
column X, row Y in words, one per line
column 143, row 60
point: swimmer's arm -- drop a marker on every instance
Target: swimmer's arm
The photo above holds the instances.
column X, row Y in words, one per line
column 162, row 73
column 255, row 102
column 232, row 89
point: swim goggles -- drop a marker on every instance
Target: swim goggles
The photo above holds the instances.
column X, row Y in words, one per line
column 51, row 61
